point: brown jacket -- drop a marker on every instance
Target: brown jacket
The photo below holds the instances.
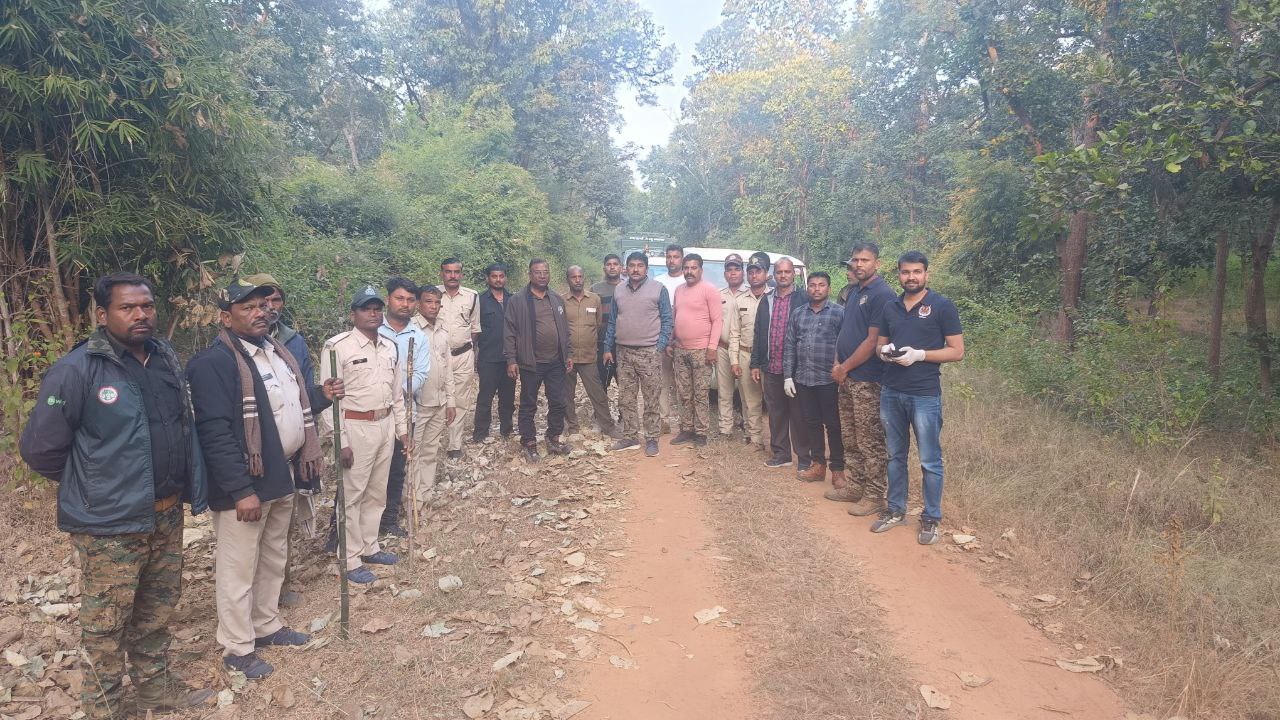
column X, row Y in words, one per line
column 585, row 320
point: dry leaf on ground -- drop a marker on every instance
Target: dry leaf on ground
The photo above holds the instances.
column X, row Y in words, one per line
column 1087, row 664
column 449, row 583
column 972, row 680
column 933, row 698
column 507, row 659
column 705, row 616
column 377, row 624
column 477, row 705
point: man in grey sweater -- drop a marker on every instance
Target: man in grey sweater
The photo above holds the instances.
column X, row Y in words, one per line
column 640, row 328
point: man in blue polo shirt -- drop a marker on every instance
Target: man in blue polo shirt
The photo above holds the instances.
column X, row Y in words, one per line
column 858, row 370
column 917, row 333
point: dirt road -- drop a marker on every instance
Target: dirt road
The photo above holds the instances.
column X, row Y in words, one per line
column 940, row 619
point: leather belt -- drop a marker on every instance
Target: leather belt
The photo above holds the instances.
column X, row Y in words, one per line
column 744, row 348
column 635, row 347
column 166, row 503
column 461, row 349
column 724, row 345
column 366, row 414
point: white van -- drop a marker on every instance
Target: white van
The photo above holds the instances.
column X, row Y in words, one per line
column 713, row 262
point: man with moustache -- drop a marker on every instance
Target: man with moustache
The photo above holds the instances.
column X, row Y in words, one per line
column 585, row 315
column 114, row 428
column 808, row 354
column 254, row 416
column 742, row 332
column 613, row 271
column 858, row 370
column 536, row 344
column 698, row 316
column 459, row 313
column 672, row 279
column 773, row 314
column 640, row 329
column 435, row 402
column 398, row 326
column 727, row 355
column 491, row 363
column 916, row 334
column 373, row 418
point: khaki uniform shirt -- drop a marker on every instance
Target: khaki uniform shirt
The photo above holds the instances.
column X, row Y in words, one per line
column 460, row 315
column 744, row 322
column 371, row 374
column 437, row 390
column 585, row 318
column 282, row 391
column 729, row 311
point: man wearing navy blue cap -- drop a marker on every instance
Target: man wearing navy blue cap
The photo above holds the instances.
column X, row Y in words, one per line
column 917, row 333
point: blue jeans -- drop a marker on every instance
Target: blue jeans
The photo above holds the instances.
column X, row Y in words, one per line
column 901, row 413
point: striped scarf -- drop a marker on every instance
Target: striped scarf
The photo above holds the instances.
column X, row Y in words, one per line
column 310, row 456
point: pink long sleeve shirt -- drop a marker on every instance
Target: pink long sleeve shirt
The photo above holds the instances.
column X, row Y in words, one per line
column 698, row 318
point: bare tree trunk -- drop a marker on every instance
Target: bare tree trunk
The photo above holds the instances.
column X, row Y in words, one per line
column 1071, row 257
column 1255, row 297
column 1220, row 257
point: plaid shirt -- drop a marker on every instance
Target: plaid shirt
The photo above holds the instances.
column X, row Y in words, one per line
column 810, row 347
column 778, row 330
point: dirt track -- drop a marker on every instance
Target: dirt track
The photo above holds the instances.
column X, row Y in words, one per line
column 941, row 619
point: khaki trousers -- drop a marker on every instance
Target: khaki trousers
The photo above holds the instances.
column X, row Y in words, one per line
column 463, row 368
column 749, row 392
column 249, row 564
column 589, row 375
column 364, row 484
column 428, row 435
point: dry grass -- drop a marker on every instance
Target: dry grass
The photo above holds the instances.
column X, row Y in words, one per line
column 1171, row 553
column 819, row 650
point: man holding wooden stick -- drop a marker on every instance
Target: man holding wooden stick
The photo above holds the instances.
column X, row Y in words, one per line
column 373, row 418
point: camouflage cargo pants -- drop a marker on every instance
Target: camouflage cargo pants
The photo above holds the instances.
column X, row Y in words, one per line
column 692, row 375
column 639, row 372
column 130, row 585
column 864, row 449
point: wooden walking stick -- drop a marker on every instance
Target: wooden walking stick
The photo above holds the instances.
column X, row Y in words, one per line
column 340, row 509
column 413, row 484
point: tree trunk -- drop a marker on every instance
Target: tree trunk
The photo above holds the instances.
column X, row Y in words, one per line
column 1220, row 257
column 1255, row 297
column 1071, row 257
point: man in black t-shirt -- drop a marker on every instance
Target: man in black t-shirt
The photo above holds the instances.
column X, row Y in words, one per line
column 917, row 333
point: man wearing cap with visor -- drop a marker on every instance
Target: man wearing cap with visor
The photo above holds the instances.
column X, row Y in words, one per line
column 744, row 329
column 254, row 416
column 727, row 353
column 373, row 418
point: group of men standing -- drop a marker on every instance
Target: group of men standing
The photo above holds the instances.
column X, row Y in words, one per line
column 129, row 435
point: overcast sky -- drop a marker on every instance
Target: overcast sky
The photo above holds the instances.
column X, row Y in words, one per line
column 684, row 22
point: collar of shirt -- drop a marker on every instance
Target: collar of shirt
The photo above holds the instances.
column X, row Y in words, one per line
column 826, row 305
column 363, row 340
column 392, row 333
column 875, row 281
column 902, row 301
column 121, row 351
column 252, row 347
column 636, row 287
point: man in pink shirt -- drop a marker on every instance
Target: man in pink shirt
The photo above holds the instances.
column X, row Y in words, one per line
column 698, row 322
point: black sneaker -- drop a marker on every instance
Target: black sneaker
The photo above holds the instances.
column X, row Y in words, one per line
column 887, row 521
column 650, row 448
column 253, row 667
column 382, row 557
column 777, row 462
column 700, row 440
column 555, row 447
column 928, row 532
column 455, row 454
column 283, row 636
column 478, row 439
column 625, row 444
column 394, row 531
column 531, row 453
column 682, row 437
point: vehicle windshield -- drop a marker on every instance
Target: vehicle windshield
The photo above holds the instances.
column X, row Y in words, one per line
column 712, row 271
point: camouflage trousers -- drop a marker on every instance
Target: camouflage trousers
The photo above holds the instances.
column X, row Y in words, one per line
column 864, row 449
column 130, row 585
column 639, row 372
column 692, row 375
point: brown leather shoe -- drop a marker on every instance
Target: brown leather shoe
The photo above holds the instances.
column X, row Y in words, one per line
column 867, row 506
column 843, row 494
column 161, row 696
column 817, row 472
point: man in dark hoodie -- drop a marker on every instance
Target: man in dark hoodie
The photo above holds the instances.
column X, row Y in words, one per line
column 254, row 417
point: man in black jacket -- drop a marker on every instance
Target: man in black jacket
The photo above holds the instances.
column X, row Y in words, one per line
column 113, row 427
column 786, row 425
column 259, row 438
column 536, row 346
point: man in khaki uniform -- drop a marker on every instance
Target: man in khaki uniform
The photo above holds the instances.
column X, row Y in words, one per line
column 585, row 313
column 435, row 401
column 373, row 418
column 741, row 335
column 460, row 317
column 726, row 379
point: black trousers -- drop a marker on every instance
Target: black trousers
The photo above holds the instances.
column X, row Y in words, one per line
column 821, row 405
column 395, row 489
column 786, row 421
column 552, row 375
column 494, row 381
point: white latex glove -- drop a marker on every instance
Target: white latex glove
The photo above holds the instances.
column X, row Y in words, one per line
column 909, row 356
column 789, row 387
column 884, row 351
